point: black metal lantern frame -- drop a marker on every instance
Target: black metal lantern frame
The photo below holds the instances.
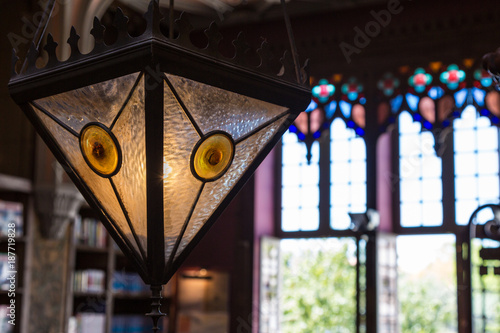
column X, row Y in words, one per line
column 154, row 56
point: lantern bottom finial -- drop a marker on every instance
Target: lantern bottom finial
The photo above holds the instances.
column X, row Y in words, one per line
column 156, row 313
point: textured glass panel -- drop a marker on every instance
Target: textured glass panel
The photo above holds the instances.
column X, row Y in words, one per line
column 217, row 109
column 216, row 191
column 100, row 102
column 293, row 152
column 180, row 186
column 130, row 181
column 488, row 188
column 431, row 167
column 100, row 187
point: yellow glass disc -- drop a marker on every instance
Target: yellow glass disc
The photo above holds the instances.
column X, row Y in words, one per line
column 99, row 150
column 213, row 157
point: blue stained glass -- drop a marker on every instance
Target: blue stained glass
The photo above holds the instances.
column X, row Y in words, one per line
column 456, row 114
column 362, row 100
column 351, row 124
column 417, row 117
column 396, row 103
column 317, row 135
column 436, row 92
column 427, row 125
column 495, row 120
column 479, row 96
column 293, row 129
column 330, row 109
column 446, row 123
column 312, row 106
column 301, row 136
column 460, row 97
column 412, row 101
column 345, row 108
column 360, row 131
column 484, row 112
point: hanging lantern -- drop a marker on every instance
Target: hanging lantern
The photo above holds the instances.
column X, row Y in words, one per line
column 157, row 135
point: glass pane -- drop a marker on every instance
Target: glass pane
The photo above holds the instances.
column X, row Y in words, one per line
column 464, row 209
column 488, row 138
column 488, row 188
column 290, row 175
column 431, row 167
column 317, row 286
column 179, row 182
column 427, row 287
column 432, row 189
column 339, row 219
column 340, row 172
column 100, row 187
column 309, row 219
column 465, row 164
column 130, row 181
column 411, row 214
column 411, row 190
column 487, row 163
column 466, row 188
column 465, row 140
column 290, row 197
column 100, row 102
column 217, row 109
column 432, row 214
column 290, row 219
column 214, row 192
column 309, row 196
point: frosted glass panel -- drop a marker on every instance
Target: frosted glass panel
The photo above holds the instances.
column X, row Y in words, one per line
column 180, row 186
column 216, row 191
column 100, row 187
column 100, row 102
column 130, row 181
column 216, row 109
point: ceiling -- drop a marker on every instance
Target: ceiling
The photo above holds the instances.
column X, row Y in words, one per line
column 244, row 11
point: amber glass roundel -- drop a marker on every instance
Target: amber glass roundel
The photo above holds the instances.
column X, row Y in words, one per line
column 212, row 156
column 100, row 150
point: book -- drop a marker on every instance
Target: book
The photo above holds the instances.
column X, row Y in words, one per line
column 4, row 272
column 5, row 327
column 11, row 212
column 90, row 232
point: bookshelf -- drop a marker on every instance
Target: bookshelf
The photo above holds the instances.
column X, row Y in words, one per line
column 105, row 294
column 16, row 214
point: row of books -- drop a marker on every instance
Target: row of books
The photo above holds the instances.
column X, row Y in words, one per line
column 5, row 327
column 89, row 280
column 134, row 324
column 128, row 283
column 90, row 232
column 87, row 322
column 11, row 212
